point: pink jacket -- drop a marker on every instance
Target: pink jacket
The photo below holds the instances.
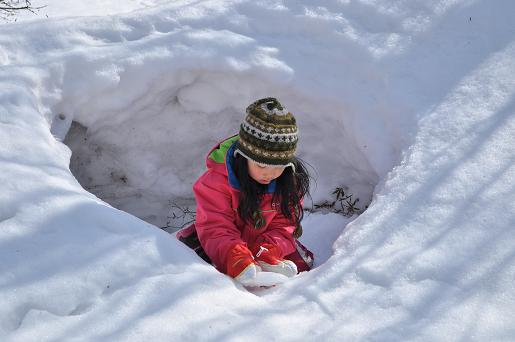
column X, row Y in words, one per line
column 217, row 222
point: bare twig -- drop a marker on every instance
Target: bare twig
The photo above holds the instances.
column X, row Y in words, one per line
column 177, row 213
column 9, row 8
column 343, row 204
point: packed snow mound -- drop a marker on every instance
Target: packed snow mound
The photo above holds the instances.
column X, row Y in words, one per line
column 412, row 101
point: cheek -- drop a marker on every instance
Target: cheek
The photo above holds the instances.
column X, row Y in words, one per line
column 255, row 173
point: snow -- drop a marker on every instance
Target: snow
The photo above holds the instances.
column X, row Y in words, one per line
column 408, row 104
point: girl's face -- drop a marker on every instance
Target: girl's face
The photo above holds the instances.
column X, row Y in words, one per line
column 263, row 174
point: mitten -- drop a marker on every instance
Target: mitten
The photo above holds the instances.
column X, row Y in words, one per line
column 241, row 264
column 269, row 258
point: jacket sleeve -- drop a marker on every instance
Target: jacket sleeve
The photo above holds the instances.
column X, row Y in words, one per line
column 215, row 218
column 279, row 233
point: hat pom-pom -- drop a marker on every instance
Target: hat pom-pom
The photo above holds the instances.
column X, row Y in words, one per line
column 271, row 106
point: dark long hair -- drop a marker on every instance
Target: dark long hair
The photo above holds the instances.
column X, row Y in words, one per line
column 290, row 189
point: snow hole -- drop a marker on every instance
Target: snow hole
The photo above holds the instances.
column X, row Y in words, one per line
column 141, row 149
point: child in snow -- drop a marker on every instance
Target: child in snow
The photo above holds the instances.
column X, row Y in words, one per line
column 249, row 201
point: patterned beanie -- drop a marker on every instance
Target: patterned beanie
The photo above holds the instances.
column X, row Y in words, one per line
column 269, row 134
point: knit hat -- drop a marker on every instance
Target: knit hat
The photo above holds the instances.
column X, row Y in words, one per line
column 269, row 134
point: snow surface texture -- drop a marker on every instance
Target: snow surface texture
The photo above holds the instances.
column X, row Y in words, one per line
column 412, row 98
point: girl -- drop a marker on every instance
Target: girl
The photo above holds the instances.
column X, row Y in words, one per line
column 249, row 201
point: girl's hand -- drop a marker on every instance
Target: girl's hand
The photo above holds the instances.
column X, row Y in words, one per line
column 241, row 264
column 268, row 257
